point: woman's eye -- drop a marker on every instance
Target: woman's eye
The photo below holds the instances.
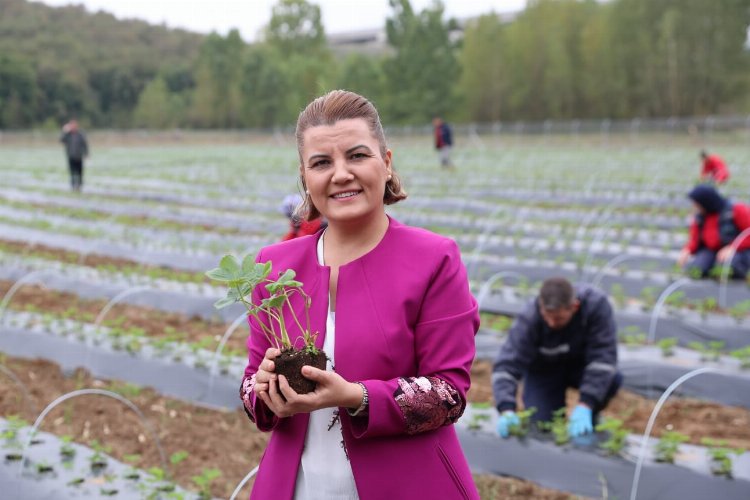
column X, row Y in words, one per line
column 319, row 163
column 357, row 156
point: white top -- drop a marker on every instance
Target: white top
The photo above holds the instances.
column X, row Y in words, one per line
column 325, row 472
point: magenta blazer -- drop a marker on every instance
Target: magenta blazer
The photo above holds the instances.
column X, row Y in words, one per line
column 405, row 326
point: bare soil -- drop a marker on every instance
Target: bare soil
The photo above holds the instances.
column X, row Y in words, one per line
column 154, row 322
column 225, row 440
column 693, row 417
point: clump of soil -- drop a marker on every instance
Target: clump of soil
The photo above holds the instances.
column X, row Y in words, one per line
column 693, row 417
column 290, row 362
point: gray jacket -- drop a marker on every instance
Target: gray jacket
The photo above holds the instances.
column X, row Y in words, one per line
column 587, row 343
column 76, row 146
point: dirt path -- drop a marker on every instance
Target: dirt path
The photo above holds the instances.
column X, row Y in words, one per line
column 227, row 441
column 692, row 417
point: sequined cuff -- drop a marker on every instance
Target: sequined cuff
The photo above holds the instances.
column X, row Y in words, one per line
column 428, row 403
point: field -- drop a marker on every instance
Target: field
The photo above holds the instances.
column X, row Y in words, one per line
column 105, row 290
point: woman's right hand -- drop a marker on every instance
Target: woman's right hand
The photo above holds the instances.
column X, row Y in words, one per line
column 266, row 373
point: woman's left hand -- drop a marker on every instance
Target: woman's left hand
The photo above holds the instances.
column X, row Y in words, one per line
column 331, row 391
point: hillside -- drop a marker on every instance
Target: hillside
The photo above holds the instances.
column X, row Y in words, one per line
column 81, row 62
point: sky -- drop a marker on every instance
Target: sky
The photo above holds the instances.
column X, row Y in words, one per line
column 249, row 16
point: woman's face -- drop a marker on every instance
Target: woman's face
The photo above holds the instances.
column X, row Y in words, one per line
column 344, row 171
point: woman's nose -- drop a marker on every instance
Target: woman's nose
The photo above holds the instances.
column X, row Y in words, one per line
column 341, row 172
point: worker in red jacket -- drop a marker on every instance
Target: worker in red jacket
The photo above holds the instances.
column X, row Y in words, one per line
column 714, row 169
column 298, row 226
column 716, row 229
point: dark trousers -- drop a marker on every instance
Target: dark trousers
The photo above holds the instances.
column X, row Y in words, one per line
column 705, row 259
column 545, row 391
column 76, row 173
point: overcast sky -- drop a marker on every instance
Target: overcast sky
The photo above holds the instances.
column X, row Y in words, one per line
column 251, row 15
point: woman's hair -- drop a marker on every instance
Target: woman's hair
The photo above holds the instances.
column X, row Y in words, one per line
column 327, row 110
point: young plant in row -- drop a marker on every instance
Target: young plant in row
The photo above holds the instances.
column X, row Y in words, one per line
column 669, row 445
column 743, row 355
column 204, row 480
column 241, row 279
column 524, row 423
column 721, row 456
column 617, row 435
column 667, row 346
column 710, row 351
column 558, row 426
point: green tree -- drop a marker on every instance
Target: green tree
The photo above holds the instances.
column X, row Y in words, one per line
column 363, row 74
column 421, row 75
column 18, row 92
column 217, row 96
column 296, row 36
column 265, row 86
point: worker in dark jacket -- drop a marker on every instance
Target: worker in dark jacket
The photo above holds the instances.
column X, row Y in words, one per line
column 716, row 230
column 443, row 141
column 76, row 149
column 564, row 338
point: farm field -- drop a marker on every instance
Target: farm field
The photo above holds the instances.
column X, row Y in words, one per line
column 105, row 290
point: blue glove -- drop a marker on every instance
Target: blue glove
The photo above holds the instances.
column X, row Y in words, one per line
column 507, row 420
column 580, row 422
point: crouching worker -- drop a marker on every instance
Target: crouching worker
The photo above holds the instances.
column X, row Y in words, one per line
column 717, row 226
column 565, row 337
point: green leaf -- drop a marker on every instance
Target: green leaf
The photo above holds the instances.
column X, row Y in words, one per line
column 226, row 301
column 230, row 264
column 219, row 274
column 248, row 264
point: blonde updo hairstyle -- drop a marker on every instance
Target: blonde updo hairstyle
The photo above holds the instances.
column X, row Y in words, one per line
column 327, row 110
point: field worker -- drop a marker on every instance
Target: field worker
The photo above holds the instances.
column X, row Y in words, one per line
column 443, row 141
column 298, row 226
column 714, row 169
column 76, row 149
column 565, row 337
column 716, row 226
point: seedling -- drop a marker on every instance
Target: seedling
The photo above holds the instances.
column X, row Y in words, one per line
column 522, row 429
column 667, row 346
column 721, row 456
column 709, row 352
column 632, row 336
column 241, row 279
column 617, row 291
column 617, row 435
column 98, row 459
column 706, row 306
column 740, row 311
column 669, row 445
column 178, row 457
column 66, row 450
column 558, row 426
column 204, row 482
column 43, row 467
column 132, row 473
column 475, row 423
column 743, row 355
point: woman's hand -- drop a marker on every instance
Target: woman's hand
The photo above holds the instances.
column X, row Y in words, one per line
column 331, row 391
column 266, row 376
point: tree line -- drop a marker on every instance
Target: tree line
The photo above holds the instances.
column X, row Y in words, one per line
column 558, row 59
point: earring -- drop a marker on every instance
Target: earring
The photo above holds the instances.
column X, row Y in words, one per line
column 307, row 193
column 389, row 176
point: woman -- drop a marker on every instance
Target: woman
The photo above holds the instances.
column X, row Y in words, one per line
column 393, row 310
column 718, row 225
